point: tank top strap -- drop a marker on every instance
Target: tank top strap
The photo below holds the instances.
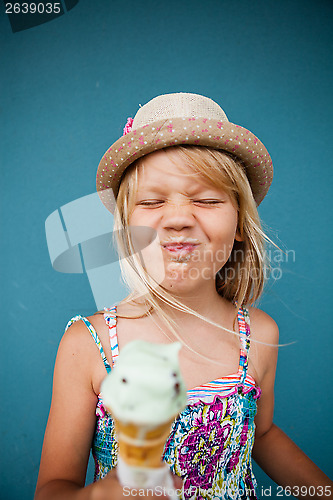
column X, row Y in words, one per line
column 110, row 317
column 244, row 329
column 94, row 336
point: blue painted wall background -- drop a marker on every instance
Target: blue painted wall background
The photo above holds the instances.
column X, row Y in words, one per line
column 67, row 88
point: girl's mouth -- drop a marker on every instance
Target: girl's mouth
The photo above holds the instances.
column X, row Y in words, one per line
column 179, row 247
column 179, row 250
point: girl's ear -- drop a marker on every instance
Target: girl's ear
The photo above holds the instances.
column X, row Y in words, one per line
column 238, row 236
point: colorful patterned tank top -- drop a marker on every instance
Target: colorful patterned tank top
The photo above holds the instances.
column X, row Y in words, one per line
column 211, row 441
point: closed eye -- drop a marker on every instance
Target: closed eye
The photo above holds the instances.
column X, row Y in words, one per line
column 156, row 203
column 208, row 202
column 150, row 203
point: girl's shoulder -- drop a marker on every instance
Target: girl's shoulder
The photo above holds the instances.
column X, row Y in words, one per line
column 80, row 329
column 263, row 327
column 88, row 342
column 83, row 335
column 264, row 347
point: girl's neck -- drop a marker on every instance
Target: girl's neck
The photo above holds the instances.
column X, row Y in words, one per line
column 207, row 303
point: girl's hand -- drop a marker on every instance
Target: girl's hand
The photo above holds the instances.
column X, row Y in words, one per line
column 109, row 488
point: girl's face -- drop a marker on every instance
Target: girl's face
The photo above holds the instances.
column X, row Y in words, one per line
column 195, row 223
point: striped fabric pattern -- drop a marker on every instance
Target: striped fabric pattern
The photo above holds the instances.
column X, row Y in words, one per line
column 110, row 317
column 229, row 384
column 222, row 387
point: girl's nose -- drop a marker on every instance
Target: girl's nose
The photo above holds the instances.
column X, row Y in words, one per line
column 178, row 215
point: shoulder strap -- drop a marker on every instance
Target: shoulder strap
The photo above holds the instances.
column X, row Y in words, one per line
column 110, row 317
column 94, row 336
column 244, row 329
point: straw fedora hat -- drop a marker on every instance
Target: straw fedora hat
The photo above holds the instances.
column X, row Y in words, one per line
column 182, row 119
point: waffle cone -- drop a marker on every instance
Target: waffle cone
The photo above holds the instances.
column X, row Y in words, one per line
column 140, row 446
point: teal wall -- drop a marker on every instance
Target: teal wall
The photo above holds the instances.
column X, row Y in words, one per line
column 67, row 88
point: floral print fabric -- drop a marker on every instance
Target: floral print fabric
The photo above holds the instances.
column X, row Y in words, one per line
column 210, row 448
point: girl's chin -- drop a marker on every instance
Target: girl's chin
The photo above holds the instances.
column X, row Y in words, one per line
column 182, row 278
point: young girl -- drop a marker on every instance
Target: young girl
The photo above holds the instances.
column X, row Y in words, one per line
column 194, row 179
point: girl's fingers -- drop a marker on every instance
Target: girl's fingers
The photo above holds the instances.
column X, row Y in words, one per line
column 177, row 482
column 109, row 488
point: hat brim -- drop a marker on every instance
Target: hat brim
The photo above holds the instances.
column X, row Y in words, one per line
column 221, row 135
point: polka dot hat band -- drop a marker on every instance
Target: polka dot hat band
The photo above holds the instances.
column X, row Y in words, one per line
column 182, row 119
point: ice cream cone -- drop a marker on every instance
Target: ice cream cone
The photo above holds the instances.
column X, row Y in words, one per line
column 144, row 393
column 140, row 446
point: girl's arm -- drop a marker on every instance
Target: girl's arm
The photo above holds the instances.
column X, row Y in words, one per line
column 288, row 466
column 71, row 424
column 71, row 420
column 273, row 450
